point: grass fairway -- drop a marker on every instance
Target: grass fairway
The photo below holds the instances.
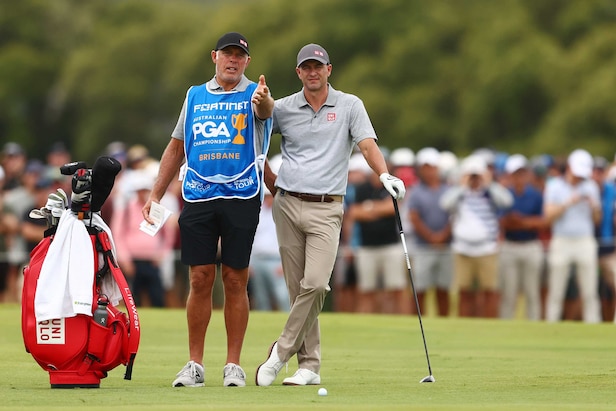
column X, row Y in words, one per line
column 369, row 363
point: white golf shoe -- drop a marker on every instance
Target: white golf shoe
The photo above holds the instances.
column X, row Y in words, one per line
column 303, row 376
column 192, row 375
column 233, row 376
column 267, row 372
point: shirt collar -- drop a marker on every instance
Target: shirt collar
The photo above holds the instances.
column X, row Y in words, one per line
column 332, row 97
column 213, row 85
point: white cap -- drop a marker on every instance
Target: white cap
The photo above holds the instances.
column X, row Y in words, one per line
column 401, row 157
column 429, row 156
column 515, row 162
column 487, row 154
column 447, row 161
column 474, row 164
column 580, row 163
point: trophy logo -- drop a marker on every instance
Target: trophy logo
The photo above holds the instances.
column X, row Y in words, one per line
column 238, row 121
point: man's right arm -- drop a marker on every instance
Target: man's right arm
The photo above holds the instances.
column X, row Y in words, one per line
column 269, row 177
column 170, row 163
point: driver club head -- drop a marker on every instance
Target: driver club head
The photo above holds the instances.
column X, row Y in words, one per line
column 429, row 378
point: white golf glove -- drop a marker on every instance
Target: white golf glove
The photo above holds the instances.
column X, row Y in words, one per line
column 393, row 185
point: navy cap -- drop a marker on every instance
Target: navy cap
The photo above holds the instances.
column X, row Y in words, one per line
column 233, row 39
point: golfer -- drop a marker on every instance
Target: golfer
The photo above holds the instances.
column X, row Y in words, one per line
column 320, row 126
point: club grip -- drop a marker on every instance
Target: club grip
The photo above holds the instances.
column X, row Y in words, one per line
column 398, row 220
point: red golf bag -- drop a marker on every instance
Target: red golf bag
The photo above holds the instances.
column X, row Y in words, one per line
column 79, row 351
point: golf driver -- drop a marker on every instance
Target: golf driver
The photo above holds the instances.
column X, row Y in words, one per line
column 429, row 378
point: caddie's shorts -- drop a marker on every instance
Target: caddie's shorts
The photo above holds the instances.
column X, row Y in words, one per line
column 232, row 221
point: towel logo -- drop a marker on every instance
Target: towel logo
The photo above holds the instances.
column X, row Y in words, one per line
column 51, row 331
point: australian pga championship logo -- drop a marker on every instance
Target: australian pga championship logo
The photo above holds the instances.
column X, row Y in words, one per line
column 213, row 127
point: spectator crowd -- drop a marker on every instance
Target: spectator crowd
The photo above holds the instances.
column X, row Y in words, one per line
column 490, row 234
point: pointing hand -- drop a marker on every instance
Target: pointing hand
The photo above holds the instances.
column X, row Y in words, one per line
column 262, row 91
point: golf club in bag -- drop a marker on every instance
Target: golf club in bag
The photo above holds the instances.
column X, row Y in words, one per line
column 429, row 378
column 72, row 321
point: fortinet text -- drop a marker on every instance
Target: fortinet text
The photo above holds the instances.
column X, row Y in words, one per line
column 222, row 105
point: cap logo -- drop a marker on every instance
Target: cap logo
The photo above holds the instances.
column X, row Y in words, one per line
column 243, row 43
column 318, row 53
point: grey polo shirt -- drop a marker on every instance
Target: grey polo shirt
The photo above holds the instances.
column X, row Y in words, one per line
column 316, row 147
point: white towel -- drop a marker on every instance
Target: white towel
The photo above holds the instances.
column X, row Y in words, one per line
column 65, row 282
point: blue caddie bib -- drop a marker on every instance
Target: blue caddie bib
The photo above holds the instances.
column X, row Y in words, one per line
column 224, row 159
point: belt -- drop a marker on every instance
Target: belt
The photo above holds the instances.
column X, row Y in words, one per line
column 313, row 198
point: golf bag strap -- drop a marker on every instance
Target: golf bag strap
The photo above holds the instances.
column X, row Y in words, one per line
column 129, row 301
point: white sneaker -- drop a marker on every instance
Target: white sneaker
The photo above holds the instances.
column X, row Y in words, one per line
column 267, row 372
column 192, row 375
column 233, row 376
column 303, row 376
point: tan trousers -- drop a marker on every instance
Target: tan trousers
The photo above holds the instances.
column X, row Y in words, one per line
column 308, row 235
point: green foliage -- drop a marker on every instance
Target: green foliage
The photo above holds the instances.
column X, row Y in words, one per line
column 516, row 75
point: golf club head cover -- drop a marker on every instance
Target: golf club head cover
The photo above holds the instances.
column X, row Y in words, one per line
column 104, row 172
column 70, row 168
column 82, row 190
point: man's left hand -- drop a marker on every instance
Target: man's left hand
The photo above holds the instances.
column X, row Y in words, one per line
column 393, row 185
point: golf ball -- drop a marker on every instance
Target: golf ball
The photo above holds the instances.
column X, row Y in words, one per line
column 322, row 392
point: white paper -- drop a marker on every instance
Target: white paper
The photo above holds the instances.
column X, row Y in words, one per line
column 159, row 215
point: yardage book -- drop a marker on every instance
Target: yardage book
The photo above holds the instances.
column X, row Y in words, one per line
column 159, row 214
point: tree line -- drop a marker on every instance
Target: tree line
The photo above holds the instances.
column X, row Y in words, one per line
column 516, row 75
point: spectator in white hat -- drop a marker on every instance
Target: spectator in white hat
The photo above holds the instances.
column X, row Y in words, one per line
column 382, row 280
column 402, row 160
column 474, row 205
column 572, row 205
column 521, row 257
column 432, row 258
